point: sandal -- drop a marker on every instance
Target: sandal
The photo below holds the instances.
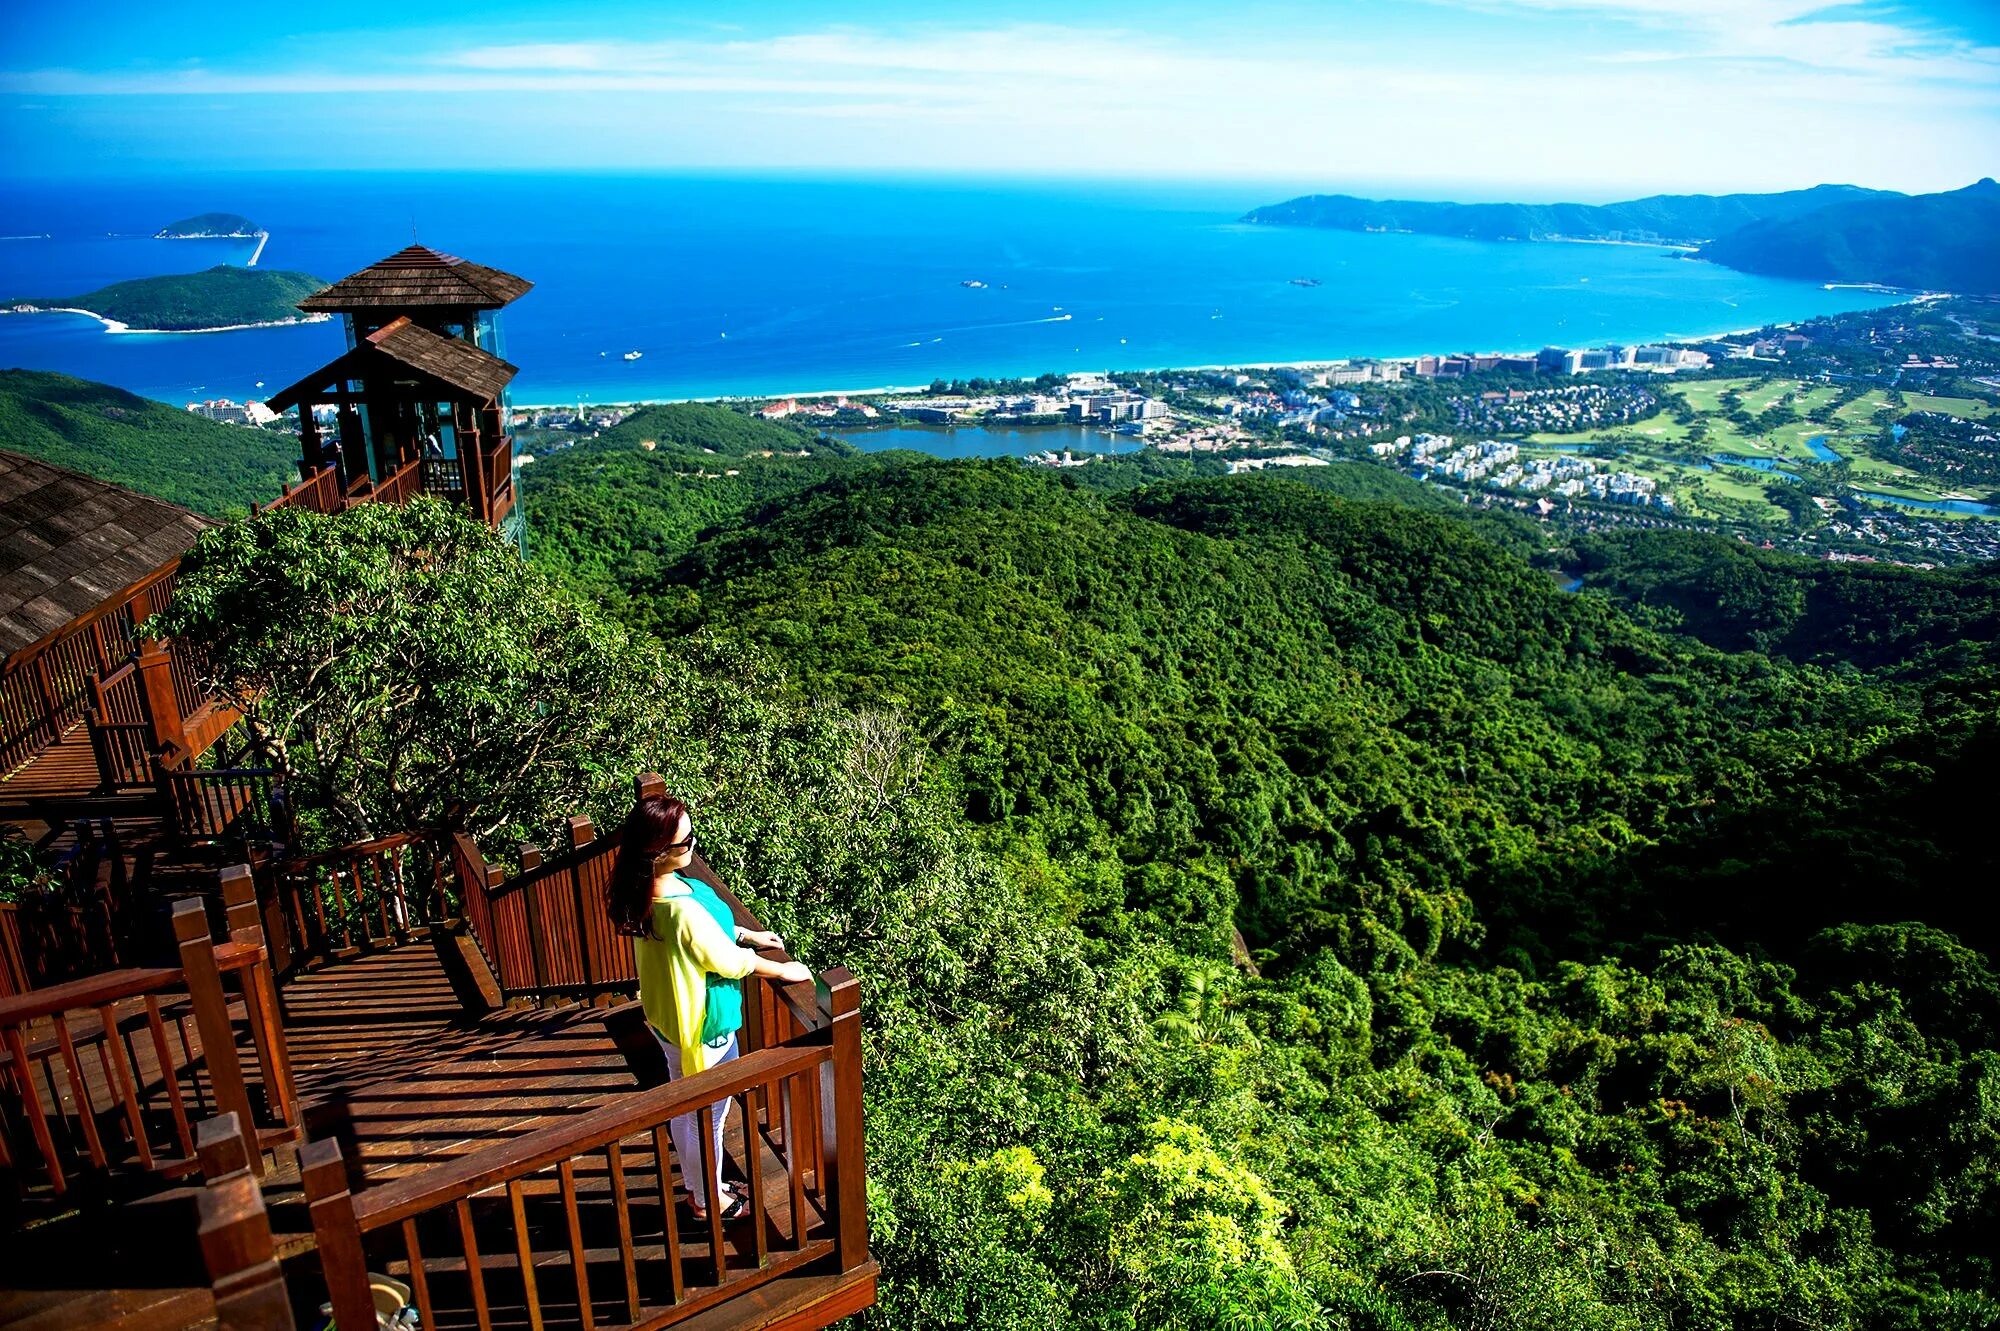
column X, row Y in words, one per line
column 735, row 1208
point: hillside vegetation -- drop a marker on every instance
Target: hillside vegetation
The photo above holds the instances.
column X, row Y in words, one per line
column 219, row 297
column 134, row 441
column 1610, row 977
column 1933, row 242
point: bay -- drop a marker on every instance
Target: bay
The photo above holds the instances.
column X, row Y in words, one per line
column 757, row 286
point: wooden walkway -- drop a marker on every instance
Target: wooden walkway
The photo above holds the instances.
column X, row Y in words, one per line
column 66, row 768
column 390, row 1063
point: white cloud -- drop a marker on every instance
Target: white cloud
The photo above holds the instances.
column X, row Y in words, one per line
column 1732, row 93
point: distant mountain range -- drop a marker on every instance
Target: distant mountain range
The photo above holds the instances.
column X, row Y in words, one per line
column 1830, row 233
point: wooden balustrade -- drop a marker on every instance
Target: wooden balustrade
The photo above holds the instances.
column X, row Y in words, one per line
column 401, row 485
column 45, row 688
column 65, row 1115
column 318, row 492
column 372, row 894
column 84, row 920
column 576, row 1221
column 225, row 804
column 121, row 733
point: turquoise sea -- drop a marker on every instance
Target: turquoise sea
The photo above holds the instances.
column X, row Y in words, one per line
column 734, row 285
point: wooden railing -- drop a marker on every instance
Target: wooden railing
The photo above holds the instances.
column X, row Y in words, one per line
column 318, row 492
column 65, row 1116
column 499, row 463
column 372, row 894
column 86, row 919
column 225, row 803
column 545, row 931
column 444, row 477
column 120, row 732
column 45, row 688
column 576, row 1221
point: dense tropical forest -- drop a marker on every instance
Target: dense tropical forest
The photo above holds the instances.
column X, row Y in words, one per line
column 1279, row 904
column 116, row 436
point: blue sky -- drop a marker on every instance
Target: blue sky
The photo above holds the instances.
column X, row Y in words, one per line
column 1485, row 98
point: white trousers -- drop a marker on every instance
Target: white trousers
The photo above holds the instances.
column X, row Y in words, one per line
column 686, row 1128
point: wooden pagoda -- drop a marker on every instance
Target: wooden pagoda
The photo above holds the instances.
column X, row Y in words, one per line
column 421, row 382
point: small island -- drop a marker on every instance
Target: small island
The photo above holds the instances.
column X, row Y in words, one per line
column 211, row 226
column 217, row 300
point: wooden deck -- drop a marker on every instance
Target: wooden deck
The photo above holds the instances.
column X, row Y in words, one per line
column 390, row 1063
column 66, row 769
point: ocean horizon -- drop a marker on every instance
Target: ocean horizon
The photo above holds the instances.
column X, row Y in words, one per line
column 742, row 286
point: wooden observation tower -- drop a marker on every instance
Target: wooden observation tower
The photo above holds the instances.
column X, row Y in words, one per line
column 422, row 382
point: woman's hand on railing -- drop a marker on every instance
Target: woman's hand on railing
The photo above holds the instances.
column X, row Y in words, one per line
column 785, row 972
column 764, row 940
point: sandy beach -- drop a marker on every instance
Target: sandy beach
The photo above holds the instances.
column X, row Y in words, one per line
column 113, row 326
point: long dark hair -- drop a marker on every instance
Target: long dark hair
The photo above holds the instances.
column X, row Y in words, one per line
column 649, row 830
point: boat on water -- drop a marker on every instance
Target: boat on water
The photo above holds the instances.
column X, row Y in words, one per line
column 1305, row 281
column 634, row 355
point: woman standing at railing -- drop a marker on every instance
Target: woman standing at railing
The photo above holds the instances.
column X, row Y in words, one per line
column 691, row 958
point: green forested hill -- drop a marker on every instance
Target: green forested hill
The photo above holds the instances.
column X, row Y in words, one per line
column 1609, row 979
column 219, row 297
column 137, row 442
column 1931, row 242
column 1739, row 598
column 207, row 225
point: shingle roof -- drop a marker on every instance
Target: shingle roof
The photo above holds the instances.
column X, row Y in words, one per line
column 457, row 363
column 68, row 542
column 419, row 276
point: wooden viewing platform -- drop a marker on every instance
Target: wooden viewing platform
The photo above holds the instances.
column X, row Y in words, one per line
column 392, row 1058
column 509, row 1162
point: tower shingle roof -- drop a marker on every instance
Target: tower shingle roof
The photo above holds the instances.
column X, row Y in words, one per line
column 419, row 276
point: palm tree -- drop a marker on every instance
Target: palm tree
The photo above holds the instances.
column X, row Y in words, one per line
column 1202, row 1009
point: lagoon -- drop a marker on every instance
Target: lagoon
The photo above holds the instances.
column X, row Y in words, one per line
column 1965, row 506
column 732, row 285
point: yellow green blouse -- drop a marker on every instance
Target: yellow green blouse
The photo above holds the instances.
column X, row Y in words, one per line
column 675, row 959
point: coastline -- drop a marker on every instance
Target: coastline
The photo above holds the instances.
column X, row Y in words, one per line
column 114, row 326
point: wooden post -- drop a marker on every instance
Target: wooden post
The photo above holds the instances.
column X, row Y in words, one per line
column 581, row 833
column 211, row 1015
column 236, row 1246
column 156, row 689
column 840, row 1097
column 260, row 994
column 222, row 1147
column 648, row 785
column 45, row 690
column 338, row 1234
